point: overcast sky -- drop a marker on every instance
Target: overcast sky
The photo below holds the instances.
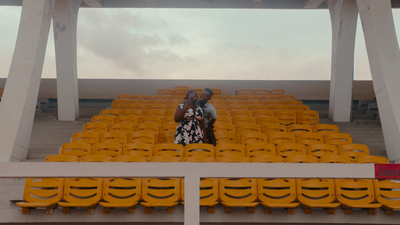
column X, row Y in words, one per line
column 196, row 44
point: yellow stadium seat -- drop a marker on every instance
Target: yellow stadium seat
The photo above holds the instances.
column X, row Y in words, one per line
column 237, row 106
column 159, row 103
column 267, row 97
column 216, row 91
column 254, row 102
column 125, row 96
column 260, row 91
column 277, row 91
column 154, row 106
column 371, row 159
column 115, row 137
column 148, row 127
column 150, row 119
column 336, row 159
column 161, row 97
column 309, row 117
column 165, row 158
column 223, row 112
column 290, row 102
column 310, row 138
column 169, row 120
column 321, row 149
column 168, row 127
column 95, row 127
column 121, row 193
column 201, row 152
column 353, row 150
column 96, row 158
column 262, row 112
column 273, row 128
column 253, row 137
column 209, row 193
column 42, row 192
column 278, row 107
column 267, row 159
column 230, row 149
column 298, row 107
column 277, row 193
column 325, row 128
column 240, row 112
column 147, row 97
column 317, row 193
column 238, row 192
column 220, row 106
column 299, row 128
column 227, row 137
column 302, row 159
column 285, row 97
column 110, row 112
column 251, row 97
column 81, row 192
column 143, row 137
column 270, row 102
column 224, row 127
column 232, row 97
column 154, row 112
column 286, row 117
column 198, row 90
column 131, row 158
column 257, row 149
column 120, row 103
column 243, row 120
column 165, row 91
column 132, row 112
column 86, row 137
column 215, row 102
column 251, row 106
column 180, row 91
column 169, row 149
column 166, row 137
column 140, row 101
column 218, row 97
column 141, row 149
column 243, row 128
column 132, row 119
column 76, row 149
column 356, row 193
column 280, row 137
column 104, row 119
column 137, row 106
column 61, row 158
column 268, row 120
column 123, row 127
column 235, row 102
column 233, row 159
column 337, row 139
column 160, row 100
column 289, row 149
column 161, row 192
column 170, row 112
column 387, row 193
column 182, row 87
column 110, row 149
column 244, row 91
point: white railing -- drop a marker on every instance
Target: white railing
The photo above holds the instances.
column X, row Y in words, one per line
column 191, row 172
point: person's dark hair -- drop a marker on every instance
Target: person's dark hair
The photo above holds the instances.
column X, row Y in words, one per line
column 187, row 94
column 209, row 91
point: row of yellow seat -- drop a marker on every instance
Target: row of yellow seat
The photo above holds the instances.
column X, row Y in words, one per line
column 230, row 192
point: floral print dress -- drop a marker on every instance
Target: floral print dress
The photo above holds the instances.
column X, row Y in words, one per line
column 189, row 130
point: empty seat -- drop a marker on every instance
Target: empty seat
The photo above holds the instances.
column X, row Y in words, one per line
column 299, row 128
column 161, row 97
column 154, row 112
column 244, row 120
column 337, row 139
column 42, row 192
column 61, row 158
column 166, row 137
column 267, row 97
column 317, row 193
column 253, row 102
column 81, row 192
column 230, row 149
column 302, row 159
column 257, row 149
column 277, row 91
column 148, row 127
column 232, row 97
column 123, row 127
column 224, row 127
column 111, row 112
column 277, row 107
column 96, row 158
column 159, row 101
column 120, row 103
column 220, row 106
column 262, row 112
column 244, row 128
column 238, row 192
column 298, row 107
column 125, row 96
column 165, row 91
column 237, row 106
column 310, row 138
column 216, row 91
column 388, row 194
column 142, row 149
column 325, row 128
column 150, row 119
column 147, row 97
column 286, row 117
column 95, row 127
column 121, row 193
column 309, row 117
column 180, row 91
column 227, row 137
column 141, row 101
column 290, row 102
column 288, row 149
column 86, row 137
column 256, row 106
column 209, row 193
column 169, row 120
column 244, row 91
column 137, row 106
column 131, row 158
column 240, row 112
column 270, row 102
column 116, row 137
column 251, row 97
column 267, row 159
column 353, row 150
column 143, row 137
column 280, row 137
column 132, row 119
column 284, row 97
column 267, row 120
column 336, row 159
column 223, row 112
column 235, row 102
column 76, row 149
column 277, row 193
column 108, row 119
column 182, row 87
column 356, row 193
column 199, row 152
column 260, row 91
column 155, row 109
column 110, row 149
column 274, row 128
column 169, row 149
column 168, row 127
column 371, row 159
column 253, row 137
column 170, row 112
column 321, row 149
column 161, row 192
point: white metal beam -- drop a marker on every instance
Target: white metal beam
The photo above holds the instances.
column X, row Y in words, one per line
column 312, row 4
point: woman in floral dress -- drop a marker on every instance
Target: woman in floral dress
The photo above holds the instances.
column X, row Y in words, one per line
column 191, row 123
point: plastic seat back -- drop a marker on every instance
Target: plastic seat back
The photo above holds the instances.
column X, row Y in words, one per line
column 267, row 159
column 274, row 128
column 290, row 102
column 256, row 149
column 253, row 137
column 244, row 91
column 317, row 192
column 357, row 193
column 120, row 103
column 223, row 112
column 227, row 137
column 230, row 149
column 245, row 128
column 146, row 97
column 137, row 106
column 216, row 91
column 310, row 138
column 371, row 159
column 232, row 97
column 61, row 158
column 199, row 153
column 353, row 150
column 143, row 137
column 387, row 192
column 125, row 96
column 288, row 149
column 76, row 149
column 82, row 192
column 256, row 105
column 42, row 191
column 268, row 120
column 285, row 97
column 209, row 191
column 277, row 91
column 240, row 106
column 131, row 158
column 150, row 119
column 166, row 137
column 165, row 91
column 261, row 112
column 110, row 149
column 162, row 192
column 86, row 137
column 280, row 137
column 261, row 91
column 110, row 112
column 96, row 158
column 286, row 117
column 240, row 112
column 123, row 127
column 319, row 150
column 244, row 120
column 309, row 117
column 148, row 127
column 122, row 192
column 278, row 107
column 140, row 149
column 161, row 97
column 238, row 192
column 224, row 127
column 302, row 159
column 299, row 128
column 155, row 112
column 298, row 107
column 277, row 192
column 108, row 119
column 337, row 139
column 325, row 128
column 95, row 127
column 132, row 119
column 170, row 149
column 267, row 97
column 336, row 159
column 224, row 119
column 116, row 137
column 159, row 101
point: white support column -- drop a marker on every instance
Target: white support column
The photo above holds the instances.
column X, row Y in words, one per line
column 384, row 59
column 344, row 23
column 17, row 108
column 64, row 25
column 192, row 199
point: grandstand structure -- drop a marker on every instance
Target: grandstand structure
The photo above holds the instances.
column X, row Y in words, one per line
column 276, row 160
